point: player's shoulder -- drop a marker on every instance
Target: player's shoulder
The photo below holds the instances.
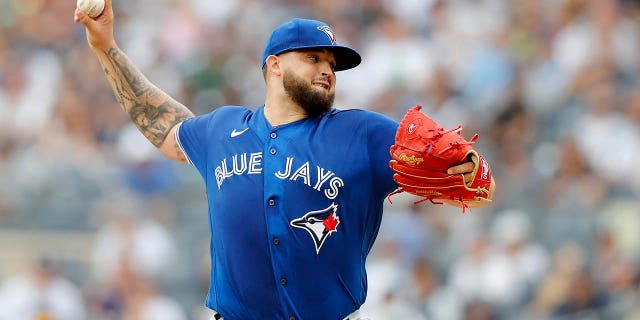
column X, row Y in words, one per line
column 226, row 113
column 230, row 110
column 219, row 118
column 356, row 114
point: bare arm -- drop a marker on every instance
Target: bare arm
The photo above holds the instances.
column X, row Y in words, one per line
column 153, row 112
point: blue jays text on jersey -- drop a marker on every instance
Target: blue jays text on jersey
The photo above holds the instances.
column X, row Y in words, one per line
column 320, row 180
column 293, row 209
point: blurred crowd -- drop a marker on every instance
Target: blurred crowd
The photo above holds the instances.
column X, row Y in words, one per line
column 551, row 86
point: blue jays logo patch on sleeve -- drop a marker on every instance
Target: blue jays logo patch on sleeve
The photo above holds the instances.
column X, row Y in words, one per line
column 320, row 224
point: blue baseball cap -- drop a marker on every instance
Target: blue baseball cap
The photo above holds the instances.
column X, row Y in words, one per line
column 300, row 34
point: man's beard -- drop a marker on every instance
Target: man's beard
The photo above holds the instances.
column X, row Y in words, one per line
column 313, row 102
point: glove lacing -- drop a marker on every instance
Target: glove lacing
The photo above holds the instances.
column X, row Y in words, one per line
column 463, row 205
column 438, row 133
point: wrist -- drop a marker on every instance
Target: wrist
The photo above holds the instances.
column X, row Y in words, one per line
column 102, row 47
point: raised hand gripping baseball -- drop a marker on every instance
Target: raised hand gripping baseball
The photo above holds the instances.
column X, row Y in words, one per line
column 99, row 28
column 439, row 164
column 155, row 113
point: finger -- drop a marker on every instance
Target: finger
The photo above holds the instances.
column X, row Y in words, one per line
column 82, row 17
column 76, row 15
column 468, row 178
column 461, row 168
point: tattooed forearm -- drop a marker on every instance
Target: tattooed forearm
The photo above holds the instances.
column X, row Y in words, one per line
column 129, row 73
column 150, row 109
column 155, row 122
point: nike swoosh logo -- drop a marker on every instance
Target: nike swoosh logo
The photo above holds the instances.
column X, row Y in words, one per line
column 235, row 133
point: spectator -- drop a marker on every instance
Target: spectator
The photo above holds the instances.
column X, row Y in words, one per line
column 129, row 233
column 551, row 87
column 41, row 293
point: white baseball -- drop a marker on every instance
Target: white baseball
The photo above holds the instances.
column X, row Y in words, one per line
column 93, row 8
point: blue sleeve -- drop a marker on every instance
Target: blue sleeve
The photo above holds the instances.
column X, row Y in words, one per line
column 381, row 132
column 192, row 135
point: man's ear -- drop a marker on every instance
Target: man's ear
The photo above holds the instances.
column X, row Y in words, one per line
column 273, row 65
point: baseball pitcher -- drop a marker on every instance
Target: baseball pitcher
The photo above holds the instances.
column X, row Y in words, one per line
column 295, row 188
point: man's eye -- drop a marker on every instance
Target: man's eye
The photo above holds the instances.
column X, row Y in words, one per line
column 313, row 58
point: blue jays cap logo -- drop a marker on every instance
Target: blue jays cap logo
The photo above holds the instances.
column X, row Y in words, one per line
column 327, row 30
column 319, row 224
column 302, row 34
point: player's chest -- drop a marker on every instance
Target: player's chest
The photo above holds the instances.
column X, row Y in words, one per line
column 322, row 164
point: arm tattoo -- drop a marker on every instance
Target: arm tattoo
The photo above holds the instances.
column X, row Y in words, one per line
column 150, row 109
column 129, row 73
column 179, row 154
column 155, row 122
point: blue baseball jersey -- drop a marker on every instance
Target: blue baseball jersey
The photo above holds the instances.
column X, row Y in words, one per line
column 293, row 210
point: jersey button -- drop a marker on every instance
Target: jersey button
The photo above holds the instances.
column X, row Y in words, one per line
column 272, row 202
column 274, row 135
column 283, row 281
column 272, row 151
column 276, row 241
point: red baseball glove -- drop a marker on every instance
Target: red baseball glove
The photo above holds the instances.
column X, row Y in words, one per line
column 421, row 155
